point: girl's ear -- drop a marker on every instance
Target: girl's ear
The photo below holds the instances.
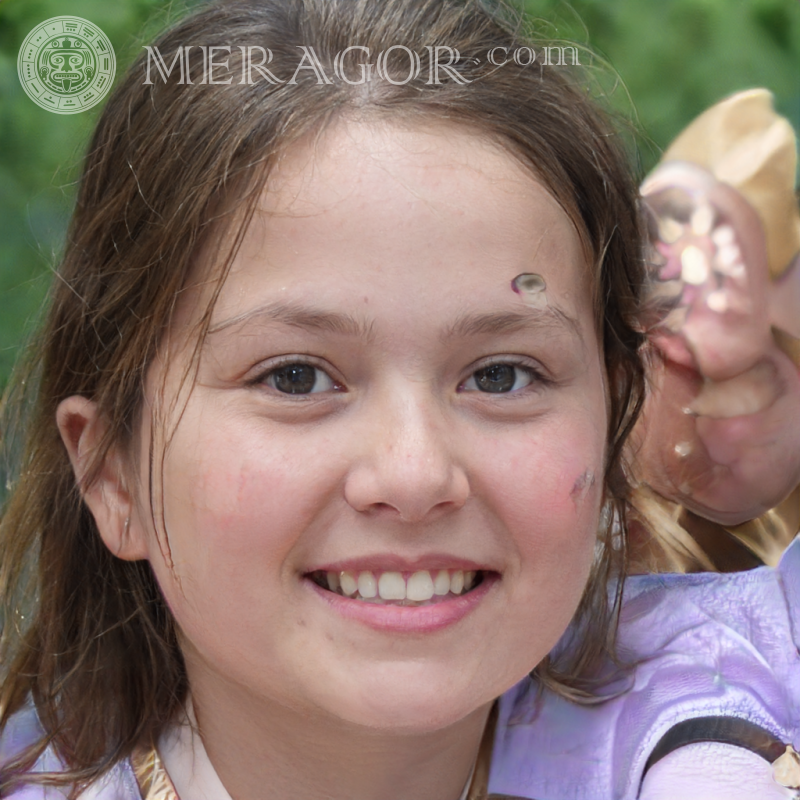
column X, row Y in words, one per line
column 107, row 496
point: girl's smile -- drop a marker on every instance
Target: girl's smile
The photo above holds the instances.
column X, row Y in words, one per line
column 397, row 602
column 369, row 505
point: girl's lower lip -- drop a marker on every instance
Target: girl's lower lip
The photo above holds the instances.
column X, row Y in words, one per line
column 408, row 619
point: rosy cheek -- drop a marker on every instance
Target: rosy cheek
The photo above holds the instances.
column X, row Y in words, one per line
column 548, row 493
column 565, row 473
column 253, row 509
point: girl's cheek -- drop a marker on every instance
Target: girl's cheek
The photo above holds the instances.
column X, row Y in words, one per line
column 251, row 508
column 559, row 474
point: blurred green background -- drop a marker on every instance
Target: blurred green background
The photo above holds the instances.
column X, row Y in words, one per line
column 674, row 58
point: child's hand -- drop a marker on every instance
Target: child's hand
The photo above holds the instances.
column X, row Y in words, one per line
column 721, row 429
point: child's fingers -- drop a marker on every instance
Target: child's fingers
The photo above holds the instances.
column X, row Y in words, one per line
column 747, row 394
column 727, row 450
column 759, row 447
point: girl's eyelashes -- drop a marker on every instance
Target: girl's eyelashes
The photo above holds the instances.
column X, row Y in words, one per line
column 294, row 376
column 502, row 378
column 298, row 378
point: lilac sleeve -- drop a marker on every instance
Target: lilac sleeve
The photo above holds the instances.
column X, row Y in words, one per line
column 701, row 645
column 23, row 729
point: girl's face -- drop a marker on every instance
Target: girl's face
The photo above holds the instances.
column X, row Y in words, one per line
column 376, row 407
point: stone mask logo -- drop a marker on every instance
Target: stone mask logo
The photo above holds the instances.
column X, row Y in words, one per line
column 66, row 65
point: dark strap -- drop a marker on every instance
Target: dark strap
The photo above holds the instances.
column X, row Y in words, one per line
column 725, row 730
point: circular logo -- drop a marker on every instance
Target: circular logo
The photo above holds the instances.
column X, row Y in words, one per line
column 66, row 65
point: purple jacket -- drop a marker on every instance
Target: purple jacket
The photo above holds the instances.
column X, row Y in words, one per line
column 704, row 645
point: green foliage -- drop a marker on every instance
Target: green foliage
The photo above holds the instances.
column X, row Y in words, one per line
column 674, row 58
column 41, row 152
column 677, row 57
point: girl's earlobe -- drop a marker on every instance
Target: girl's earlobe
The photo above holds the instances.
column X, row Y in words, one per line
column 104, row 486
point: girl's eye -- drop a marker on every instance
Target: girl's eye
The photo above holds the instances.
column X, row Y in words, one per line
column 499, row 379
column 299, row 378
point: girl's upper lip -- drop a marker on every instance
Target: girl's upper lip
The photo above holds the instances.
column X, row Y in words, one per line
column 391, row 562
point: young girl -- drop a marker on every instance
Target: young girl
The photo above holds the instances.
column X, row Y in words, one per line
column 326, row 454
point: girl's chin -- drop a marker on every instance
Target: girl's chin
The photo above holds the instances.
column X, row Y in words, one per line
column 402, row 707
column 397, row 719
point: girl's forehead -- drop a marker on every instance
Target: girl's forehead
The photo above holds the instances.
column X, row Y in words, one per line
column 385, row 216
column 371, row 147
column 386, row 162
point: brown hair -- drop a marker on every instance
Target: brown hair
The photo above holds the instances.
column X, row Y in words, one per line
column 87, row 635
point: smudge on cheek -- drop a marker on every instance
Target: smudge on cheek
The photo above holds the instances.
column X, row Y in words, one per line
column 583, row 483
column 532, row 288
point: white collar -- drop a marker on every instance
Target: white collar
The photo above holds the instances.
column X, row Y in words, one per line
column 185, row 759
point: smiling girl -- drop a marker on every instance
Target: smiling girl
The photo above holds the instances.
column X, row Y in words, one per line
column 344, row 372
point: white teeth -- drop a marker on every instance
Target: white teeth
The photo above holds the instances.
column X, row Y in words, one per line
column 694, row 265
column 348, row 583
column 367, row 585
column 723, row 235
column 391, row 586
column 729, row 255
column 702, row 220
column 441, row 583
column 420, row 586
column 718, row 301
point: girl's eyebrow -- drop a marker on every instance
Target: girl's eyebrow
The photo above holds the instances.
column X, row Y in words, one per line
column 300, row 316
column 551, row 319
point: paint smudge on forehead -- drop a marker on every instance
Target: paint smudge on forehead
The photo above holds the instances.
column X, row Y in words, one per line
column 532, row 288
column 583, row 483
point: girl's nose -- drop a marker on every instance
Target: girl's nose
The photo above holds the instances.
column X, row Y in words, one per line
column 406, row 464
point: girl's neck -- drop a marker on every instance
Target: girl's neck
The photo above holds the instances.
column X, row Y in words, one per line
column 262, row 750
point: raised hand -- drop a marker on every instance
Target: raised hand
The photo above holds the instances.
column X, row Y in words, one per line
column 721, row 429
